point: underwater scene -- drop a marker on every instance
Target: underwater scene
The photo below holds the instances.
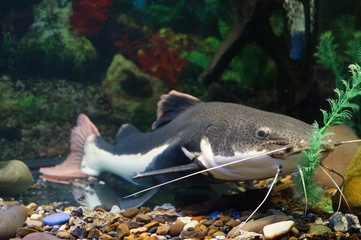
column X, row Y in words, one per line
column 180, row 119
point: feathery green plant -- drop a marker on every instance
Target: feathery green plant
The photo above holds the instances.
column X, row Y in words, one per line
column 327, row 56
column 341, row 110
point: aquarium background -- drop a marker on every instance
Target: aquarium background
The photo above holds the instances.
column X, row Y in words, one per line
column 113, row 59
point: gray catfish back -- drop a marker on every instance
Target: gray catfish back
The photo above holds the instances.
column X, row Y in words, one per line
column 184, row 120
column 230, row 126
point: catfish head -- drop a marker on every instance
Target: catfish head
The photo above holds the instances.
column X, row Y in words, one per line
column 244, row 132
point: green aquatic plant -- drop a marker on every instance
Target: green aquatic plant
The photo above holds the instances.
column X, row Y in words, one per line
column 341, row 110
column 326, row 54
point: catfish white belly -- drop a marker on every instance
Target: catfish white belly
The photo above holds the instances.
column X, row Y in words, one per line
column 188, row 136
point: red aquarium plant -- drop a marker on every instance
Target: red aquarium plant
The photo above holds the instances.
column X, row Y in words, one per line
column 89, row 15
column 157, row 59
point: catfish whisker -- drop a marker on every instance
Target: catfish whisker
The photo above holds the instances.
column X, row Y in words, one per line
column 265, row 198
column 347, row 142
column 207, row 170
column 338, row 188
column 304, row 188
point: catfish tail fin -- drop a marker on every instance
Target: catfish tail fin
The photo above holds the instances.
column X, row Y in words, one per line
column 71, row 166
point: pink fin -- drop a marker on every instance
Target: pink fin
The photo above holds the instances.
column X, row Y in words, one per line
column 71, row 166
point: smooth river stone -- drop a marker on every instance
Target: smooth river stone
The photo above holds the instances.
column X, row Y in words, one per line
column 15, row 177
column 276, row 230
column 40, row 236
column 56, row 219
column 10, row 220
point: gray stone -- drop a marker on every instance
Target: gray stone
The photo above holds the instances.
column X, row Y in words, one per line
column 319, row 229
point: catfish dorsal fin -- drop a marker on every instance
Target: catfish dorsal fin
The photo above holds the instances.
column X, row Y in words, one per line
column 171, row 105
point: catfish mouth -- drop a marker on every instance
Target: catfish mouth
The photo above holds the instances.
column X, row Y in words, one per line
column 290, row 148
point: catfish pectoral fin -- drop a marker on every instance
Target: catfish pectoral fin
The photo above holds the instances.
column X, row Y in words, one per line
column 181, row 168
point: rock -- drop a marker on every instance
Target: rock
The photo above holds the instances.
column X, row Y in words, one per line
column 133, row 224
column 15, row 177
column 78, row 231
column 191, row 225
column 257, row 225
column 276, row 230
column 163, row 229
column 94, row 233
column 343, row 223
column 143, row 218
column 24, row 231
column 10, row 220
column 219, row 233
column 231, row 223
column 56, row 219
column 138, row 230
column 319, row 229
column 192, row 234
column 40, row 236
column 122, row 230
column 151, row 225
column 130, row 212
column 35, row 216
column 351, row 187
column 130, row 90
column 33, row 223
column 245, row 235
column 115, row 209
column 64, row 235
column 341, row 156
column 176, row 228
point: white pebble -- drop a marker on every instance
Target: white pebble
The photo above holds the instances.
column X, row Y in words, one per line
column 276, row 230
column 192, row 224
column 115, row 209
column 35, row 216
column 184, row 219
column 62, row 227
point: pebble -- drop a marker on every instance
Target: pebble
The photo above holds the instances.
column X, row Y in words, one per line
column 10, row 220
column 176, row 228
column 40, row 236
column 23, row 231
column 115, row 209
column 64, row 235
column 163, row 229
column 78, row 231
column 56, row 219
column 163, row 224
column 130, row 212
column 191, row 225
column 33, row 223
column 276, row 230
column 35, row 216
column 343, row 222
column 319, row 229
column 143, row 218
column 245, row 235
column 192, row 234
column 122, row 230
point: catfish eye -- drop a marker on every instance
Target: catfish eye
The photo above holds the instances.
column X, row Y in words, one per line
column 262, row 133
